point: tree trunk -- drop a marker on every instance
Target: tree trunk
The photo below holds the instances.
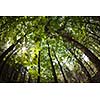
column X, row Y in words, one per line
column 15, row 77
column 29, row 79
column 86, row 51
column 24, row 77
column 5, row 73
column 11, row 75
column 53, row 69
column 82, row 66
column 90, row 68
column 38, row 80
column 9, row 49
column 96, row 78
column 61, row 69
column 4, row 62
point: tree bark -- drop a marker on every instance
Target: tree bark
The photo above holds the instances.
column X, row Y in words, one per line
column 9, row 49
column 90, row 67
column 15, row 77
column 53, row 69
column 65, row 80
column 24, row 77
column 11, row 75
column 82, row 66
column 29, row 79
column 86, row 51
column 4, row 62
column 38, row 80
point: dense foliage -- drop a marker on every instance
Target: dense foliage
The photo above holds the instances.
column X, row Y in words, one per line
column 49, row 49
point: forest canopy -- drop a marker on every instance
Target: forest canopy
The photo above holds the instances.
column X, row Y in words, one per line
column 45, row 49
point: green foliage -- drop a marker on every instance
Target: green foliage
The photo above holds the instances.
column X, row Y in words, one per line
column 80, row 28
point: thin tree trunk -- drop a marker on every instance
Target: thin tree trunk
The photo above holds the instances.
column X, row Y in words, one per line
column 38, row 80
column 53, row 69
column 82, row 66
column 65, row 80
column 29, row 79
column 86, row 51
column 24, row 77
column 9, row 49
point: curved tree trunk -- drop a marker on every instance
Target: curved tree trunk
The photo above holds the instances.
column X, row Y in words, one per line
column 89, row 67
column 87, row 52
column 4, row 62
column 9, row 49
column 82, row 66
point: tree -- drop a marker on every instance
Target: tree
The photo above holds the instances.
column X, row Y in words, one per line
column 53, row 68
column 61, row 68
column 38, row 80
column 49, row 49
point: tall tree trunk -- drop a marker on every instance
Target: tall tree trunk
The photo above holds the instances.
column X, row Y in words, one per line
column 24, row 77
column 38, row 80
column 87, row 52
column 5, row 73
column 4, row 62
column 69, row 75
column 29, row 79
column 53, row 69
column 11, row 75
column 61, row 69
column 15, row 77
column 89, row 67
column 82, row 66
column 9, row 49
